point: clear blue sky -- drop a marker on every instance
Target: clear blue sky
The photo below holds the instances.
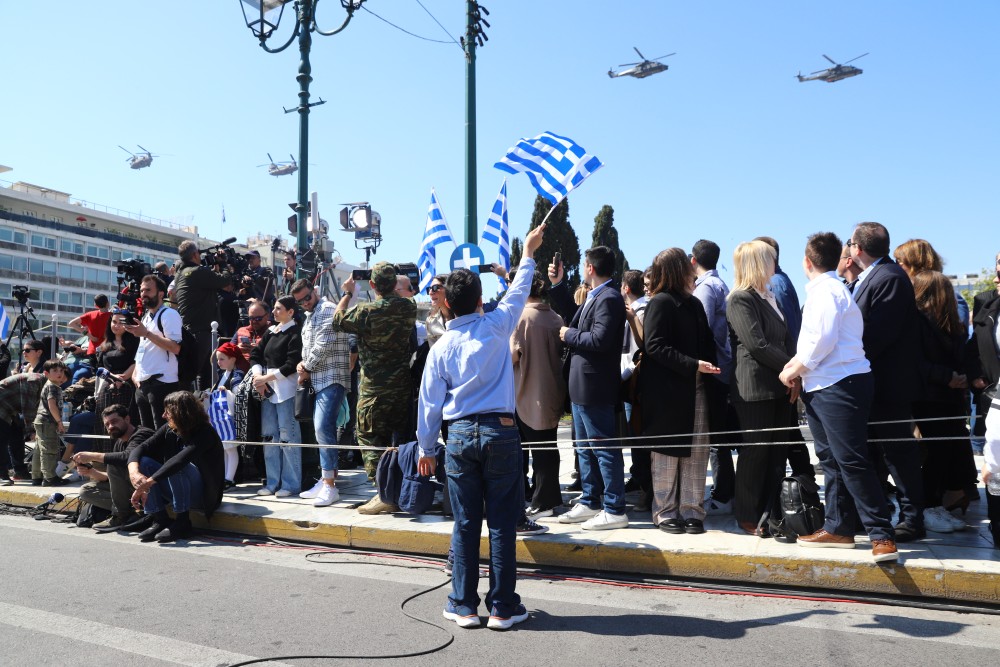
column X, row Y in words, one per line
column 726, row 145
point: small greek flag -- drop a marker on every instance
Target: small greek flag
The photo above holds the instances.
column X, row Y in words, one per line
column 4, row 323
column 555, row 165
column 435, row 233
column 496, row 230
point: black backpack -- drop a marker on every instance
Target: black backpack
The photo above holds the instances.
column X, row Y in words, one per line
column 188, row 363
column 801, row 510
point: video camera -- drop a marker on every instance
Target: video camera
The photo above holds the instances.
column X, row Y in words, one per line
column 21, row 293
column 223, row 255
column 130, row 275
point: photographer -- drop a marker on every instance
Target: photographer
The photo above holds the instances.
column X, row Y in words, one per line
column 258, row 283
column 288, row 275
column 246, row 338
column 160, row 334
column 196, row 299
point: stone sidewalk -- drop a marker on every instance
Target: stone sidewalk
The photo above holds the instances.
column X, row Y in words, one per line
column 957, row 566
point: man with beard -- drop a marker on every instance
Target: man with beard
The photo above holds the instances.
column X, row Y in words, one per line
column 247, row 337
column 160, row 334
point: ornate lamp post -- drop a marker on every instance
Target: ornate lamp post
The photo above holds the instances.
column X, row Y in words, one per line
column 264, row 20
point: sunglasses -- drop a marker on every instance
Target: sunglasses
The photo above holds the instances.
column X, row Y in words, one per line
column 852, row 244
column 304, row 300
column 256, row 318
column 435, row 288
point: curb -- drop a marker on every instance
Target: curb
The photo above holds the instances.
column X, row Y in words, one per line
column 960, row 580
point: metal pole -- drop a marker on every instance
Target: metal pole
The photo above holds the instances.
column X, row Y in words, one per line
column 471, row 225
column 304, row 78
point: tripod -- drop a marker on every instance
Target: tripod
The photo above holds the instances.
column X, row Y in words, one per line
column 22, row 328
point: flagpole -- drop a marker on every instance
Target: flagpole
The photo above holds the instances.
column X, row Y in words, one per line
column 545, row 219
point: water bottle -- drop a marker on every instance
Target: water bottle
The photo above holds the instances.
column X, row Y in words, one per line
column 67, row 411
column 993, row 484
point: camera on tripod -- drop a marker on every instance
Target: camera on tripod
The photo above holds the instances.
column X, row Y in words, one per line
column 21, row 293
column 223, row 255
column 130, row 275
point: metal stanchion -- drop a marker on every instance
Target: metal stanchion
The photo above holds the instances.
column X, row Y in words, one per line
column 215, row 346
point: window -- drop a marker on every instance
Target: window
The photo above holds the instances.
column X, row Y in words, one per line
column 98, row 251
column 42, row 241
column 47, row 296
column 75, row 247
column 71, row 298
column 12, row 236
column 55, row 218
column 71, row 271
column 14, row 263
column 40, row 267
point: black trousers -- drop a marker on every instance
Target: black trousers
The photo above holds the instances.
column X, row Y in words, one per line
column 12, row 448
column 760, row 468
column 545, row 464
column 901, row 456
column 150, row 397
column 722, row 417
column 121, row 489
column 993, row 512
column 946, row 460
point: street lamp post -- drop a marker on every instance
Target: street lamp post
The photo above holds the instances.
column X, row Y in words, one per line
column 263, row 21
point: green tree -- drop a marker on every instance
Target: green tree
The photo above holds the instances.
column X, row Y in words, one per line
column 605, row 234
column 516, row 250
column 984, row 284
column 559, row 237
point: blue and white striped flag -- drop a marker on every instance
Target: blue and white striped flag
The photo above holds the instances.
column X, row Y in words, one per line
column 496, row 230
column 555, row 165
column 435, row 233
column 4, row 323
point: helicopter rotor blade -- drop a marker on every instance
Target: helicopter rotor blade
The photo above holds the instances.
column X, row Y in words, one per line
column 630, row 64
column 640, row 53
column 666, row 56
column 819, row 71
column 125, row 149
column 830, row 59
column 853, row 59
column 143, row 149
column 270, row 158
column 293, row 158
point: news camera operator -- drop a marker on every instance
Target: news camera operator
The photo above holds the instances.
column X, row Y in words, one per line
column 196, row 299
column 259, row 281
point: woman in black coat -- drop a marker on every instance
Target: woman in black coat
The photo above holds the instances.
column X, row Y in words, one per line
column 762, row 345
column 678, row 348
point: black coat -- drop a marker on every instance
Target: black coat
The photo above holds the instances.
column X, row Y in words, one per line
column 940, row 356
column 982, row 356
column 891, row 338
column 761, row 344
column 677, row 336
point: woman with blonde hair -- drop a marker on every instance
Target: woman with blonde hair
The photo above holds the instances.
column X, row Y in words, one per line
column 679, row 348
column 762, row 345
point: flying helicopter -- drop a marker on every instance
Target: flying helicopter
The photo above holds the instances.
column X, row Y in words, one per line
column 139, row 161
column 280, row 168
column 835, row 73
column 641, row 69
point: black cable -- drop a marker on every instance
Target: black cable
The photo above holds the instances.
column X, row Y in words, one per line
column 411, row 34
column 436, row 21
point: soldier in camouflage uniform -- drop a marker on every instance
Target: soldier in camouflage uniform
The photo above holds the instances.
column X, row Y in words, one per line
column 383, row 329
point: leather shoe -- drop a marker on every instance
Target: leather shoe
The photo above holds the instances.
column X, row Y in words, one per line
column 748, row 527
column 884, row 551
column 694, row 527
column 823, row 539
column 672, row 526
column 907, row 533
column 138, row 524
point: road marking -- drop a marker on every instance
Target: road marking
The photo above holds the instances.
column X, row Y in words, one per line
column 120, row 639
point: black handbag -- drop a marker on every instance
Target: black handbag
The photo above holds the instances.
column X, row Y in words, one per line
column 305, row 402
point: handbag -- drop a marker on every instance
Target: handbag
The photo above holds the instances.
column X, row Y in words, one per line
column 305, row 402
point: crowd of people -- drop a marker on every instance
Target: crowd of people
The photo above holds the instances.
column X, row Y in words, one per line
column 879, row 356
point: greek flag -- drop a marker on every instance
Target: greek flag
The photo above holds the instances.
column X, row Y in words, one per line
column 555, row 165
column 496, row 230
column 435, row 233
column 4, row 323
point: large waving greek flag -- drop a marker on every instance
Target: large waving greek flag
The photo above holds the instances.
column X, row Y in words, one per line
column 555, row 165
column 435, row 233
column 4, row 323
column 496, row 230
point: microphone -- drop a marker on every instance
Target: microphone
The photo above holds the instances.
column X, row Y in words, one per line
column 229, row 241
column 54, row 499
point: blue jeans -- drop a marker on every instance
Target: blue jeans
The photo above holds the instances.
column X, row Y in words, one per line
column 483, row 462
column 328, row 401
column 283, row 464
column 838, row 418
column 601, row 470
column 183, row 489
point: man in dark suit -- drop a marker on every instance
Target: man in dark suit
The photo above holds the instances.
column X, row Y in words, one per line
column 884, row 294
column 982, row 354
column 594, row 338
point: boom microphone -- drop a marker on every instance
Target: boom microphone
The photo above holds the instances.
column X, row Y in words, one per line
column 229, row 241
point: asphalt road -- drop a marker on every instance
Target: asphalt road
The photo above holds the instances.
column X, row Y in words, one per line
column 72, row 597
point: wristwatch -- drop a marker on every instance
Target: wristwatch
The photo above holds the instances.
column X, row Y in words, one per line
column 349, row 295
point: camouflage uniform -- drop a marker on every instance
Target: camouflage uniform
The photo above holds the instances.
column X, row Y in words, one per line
column 383, row 328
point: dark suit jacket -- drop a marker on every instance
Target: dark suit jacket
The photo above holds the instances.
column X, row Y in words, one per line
column 676, row 336
column 762, row 345
column 982, row 356
column 595, row 344
column 886, row 300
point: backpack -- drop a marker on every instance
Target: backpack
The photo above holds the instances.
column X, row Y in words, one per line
column 801, row 510
column 188, row 363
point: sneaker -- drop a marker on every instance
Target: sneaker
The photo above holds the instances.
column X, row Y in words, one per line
column 823, row 539
column 632, row 485
column 53, row 481
column 529, row 527
column 376, row 506
column 36, row 481
column 6, row 481
column 935, row 522
column 328, row 495
column 282, row 493
column 137, row 524
column 61, row 468
column 605, row 521
column 578, row 514
column 957, row 522
column 884, row 551
column 264, row 491
column 715, row 508
column 536, row 513
column 313, row 492
column 20, row 476
column 498, row 622
column 907, row 533
column 576, row 485
column 461, row 616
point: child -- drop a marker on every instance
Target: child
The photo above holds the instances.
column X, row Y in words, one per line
column 232, row 366
column 48, row 426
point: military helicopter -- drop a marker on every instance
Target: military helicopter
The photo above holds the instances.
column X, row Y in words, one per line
column 280, row 168
column 139, row 161
column 641, row 69
column 835, row 73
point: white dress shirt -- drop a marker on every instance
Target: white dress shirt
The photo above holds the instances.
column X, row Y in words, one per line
column 829, row 343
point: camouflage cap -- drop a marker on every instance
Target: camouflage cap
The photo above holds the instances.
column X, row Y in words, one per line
column 384, row 277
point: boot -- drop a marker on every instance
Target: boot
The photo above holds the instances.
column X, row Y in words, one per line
column 180, row 528
column 160, row 521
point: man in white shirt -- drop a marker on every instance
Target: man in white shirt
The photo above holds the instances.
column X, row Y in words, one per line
column 160, row 334
column 837, row 388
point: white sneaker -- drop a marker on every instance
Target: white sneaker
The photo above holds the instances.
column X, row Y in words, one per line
column 61, row 468
column 604, row 521
column 313, row 492
column 328, row 495
column 282, row 493
column 264, row 491
column 578, row 514
column 934, row 522
column 957, row 522
column 714, row 508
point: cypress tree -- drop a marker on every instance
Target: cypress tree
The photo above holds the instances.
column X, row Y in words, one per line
column 605, row 234
column 559, row 237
